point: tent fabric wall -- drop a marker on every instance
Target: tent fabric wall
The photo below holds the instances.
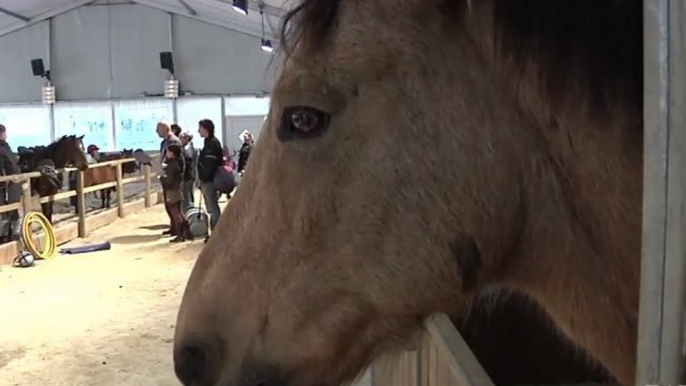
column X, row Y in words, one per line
column 81, row 54
column 17, row 83
column 112, row 52
column 212, row 61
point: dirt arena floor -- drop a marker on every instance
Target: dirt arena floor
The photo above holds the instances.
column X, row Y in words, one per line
column 101, row 319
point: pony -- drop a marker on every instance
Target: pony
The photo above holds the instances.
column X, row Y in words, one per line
column 109, row 174
column 96, row 176
column 65, row 151
column 418, row 156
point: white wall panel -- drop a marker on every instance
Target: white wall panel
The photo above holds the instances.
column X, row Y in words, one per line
column 135, row 123
column 27, row 125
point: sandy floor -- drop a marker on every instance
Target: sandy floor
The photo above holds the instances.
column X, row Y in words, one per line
column 103, row 318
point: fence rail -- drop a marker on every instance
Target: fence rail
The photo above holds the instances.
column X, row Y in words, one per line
column 27, row 202
column 440, row 358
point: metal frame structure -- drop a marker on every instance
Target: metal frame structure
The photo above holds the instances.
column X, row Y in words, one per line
column 661, row 354
column 186, row 8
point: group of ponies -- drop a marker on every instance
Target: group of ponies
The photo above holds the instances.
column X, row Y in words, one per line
column 67, row 151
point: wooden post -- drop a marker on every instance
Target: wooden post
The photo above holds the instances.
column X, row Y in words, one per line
column 660, row 353
column 148, row 188
column 120, row 192
column 26, row 196
column 81, row 204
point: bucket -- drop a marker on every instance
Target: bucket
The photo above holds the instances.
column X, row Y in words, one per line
column 197, row 219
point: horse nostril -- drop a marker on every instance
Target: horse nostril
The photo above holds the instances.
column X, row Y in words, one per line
column 191, row 365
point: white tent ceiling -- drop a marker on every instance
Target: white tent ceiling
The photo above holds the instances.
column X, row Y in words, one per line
column 17, row 14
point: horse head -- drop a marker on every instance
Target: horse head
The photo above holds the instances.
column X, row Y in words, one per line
column 417, row 154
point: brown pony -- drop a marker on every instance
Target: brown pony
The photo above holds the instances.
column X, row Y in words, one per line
column 419, row 154
column 96, row 176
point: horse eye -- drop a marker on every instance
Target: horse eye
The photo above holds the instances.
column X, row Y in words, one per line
column 303, row 122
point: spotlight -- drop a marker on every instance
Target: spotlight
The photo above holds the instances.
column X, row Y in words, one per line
column 267, row 46
column 240, row 6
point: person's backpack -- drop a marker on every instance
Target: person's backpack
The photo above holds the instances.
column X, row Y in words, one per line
column 225, row 179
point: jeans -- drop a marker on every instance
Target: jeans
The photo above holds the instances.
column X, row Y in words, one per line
column 188, row 195
column 211, row 196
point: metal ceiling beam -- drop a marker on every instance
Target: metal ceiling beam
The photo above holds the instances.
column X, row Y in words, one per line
column 45, row 16
column 188, row 7
column 233, row 26
column 253, row 6
column 15, row 15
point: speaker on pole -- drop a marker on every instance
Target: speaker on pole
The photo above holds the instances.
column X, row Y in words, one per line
column 166, row 61
column 37, row 67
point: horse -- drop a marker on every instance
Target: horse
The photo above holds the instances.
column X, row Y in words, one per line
column 420, row 156
column 65, row 151
column 100, row 175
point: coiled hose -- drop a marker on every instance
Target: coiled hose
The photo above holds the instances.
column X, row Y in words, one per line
column 29, row 240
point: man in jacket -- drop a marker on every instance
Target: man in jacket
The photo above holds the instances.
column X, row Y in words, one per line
column 210, row 159
column 10, row 192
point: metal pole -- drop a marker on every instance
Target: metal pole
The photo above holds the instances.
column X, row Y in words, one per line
column 661, row 356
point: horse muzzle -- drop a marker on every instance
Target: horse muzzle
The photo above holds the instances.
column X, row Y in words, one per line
column 199, row 364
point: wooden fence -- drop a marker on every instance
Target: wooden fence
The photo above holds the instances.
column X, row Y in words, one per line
column 28, row 203
column 440, row 357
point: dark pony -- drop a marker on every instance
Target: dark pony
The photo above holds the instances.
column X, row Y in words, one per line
column 64, row 152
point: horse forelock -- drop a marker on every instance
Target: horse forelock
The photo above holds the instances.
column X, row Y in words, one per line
column 586, row 47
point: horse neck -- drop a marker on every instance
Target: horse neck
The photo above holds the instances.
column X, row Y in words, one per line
column 588, row 162
column 579, row 251
column 54, row 154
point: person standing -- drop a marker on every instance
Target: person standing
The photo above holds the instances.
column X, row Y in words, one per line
column 10, row 192
column 210, row 159
column 176, row 129
column 172, row 182
column 244, row 153
column 168, row 139
column 93, row 154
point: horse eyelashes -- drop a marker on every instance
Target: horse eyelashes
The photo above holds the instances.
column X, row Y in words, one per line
column 303, row 122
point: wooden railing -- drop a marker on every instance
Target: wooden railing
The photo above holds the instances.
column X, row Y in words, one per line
column 440, row 358
column 27, row 200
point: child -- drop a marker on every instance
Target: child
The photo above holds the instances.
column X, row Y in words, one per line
column 172, row 181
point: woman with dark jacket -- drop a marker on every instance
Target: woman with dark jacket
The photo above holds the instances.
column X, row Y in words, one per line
column 210, row 159
column 172, row 182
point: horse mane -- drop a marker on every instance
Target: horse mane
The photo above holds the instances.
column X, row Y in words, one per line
column 50, row 150
column 591, row 46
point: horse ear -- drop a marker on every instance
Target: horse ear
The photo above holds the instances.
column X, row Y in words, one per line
column 81, row 137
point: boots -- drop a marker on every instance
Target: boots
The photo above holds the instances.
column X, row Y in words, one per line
column 183, row 233
column 187, row 231
column 180, row 234
column 171, row 231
